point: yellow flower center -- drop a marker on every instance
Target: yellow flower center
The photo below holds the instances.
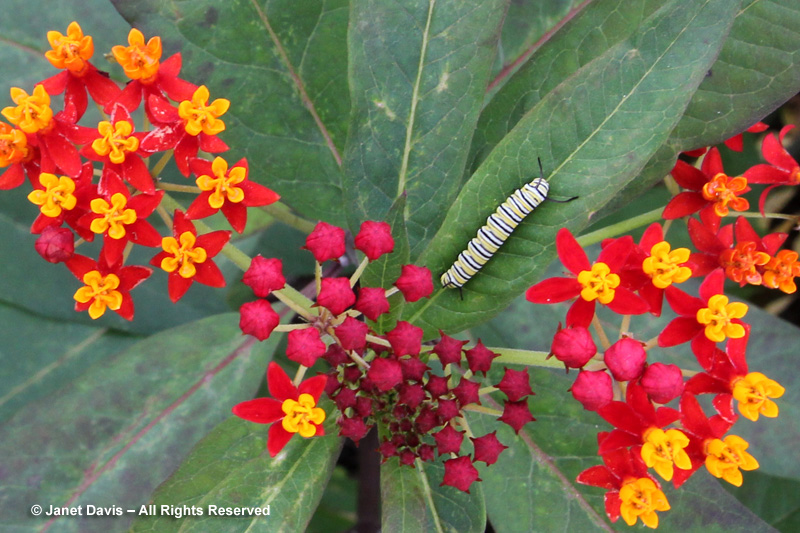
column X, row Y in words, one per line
column 718, row 316
column 724, row 191
column 57, row 195
column 115, row 216
column 116, row 140
column 201, row 117
column 780, row 271
column 184, row 255
column 664, row 449
column 223, row 183
column 140, row 61
column 302, row 416
column 101, row 291
column 33, row 113
column 13, row 145
column 665, row 266
column 725, row 459
column 641, row 498
column 70, row 51
column 598, row 283
column 753, row 392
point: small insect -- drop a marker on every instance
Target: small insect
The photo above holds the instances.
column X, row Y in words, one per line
column 497, row 229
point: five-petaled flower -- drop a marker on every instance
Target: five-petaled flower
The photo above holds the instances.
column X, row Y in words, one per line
column 228, row 190
column 599, row 281
column 294, row 407
column 106, row 286
column 187, row 257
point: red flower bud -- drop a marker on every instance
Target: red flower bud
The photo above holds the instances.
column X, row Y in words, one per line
column 414, row 282
column 436, row 386
column 573, row 346
column 515, row 384
column 412, row 395
column 662, row 382
column 372, row 302
column 264, row 276
column 325, row 242
column 55, row 244
column 345, row 398
column 487, row 448
column 386, row 374
column 336, row 295
column 625, row 359
column 449, row 350
column 593, row 389
column 374, row 239
column 467, row 392
column 447, row 410
column 480, row 358
column 426, row 420
column 425, row 453
column 304, row 346
column 336, row 356
column 353, row 428
column 516, row 414
column 258, row 319
column 352, row 334
column 448, row 440
column 460, row 473
column 413, row 368
column 405, row 339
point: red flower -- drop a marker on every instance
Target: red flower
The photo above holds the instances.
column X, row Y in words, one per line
column 705, row 320
column 304, row 346
column 258, row 319
column 187, row 257
column 592, row 282
column 106, row 286
column 182, row 130
column 782, row 170
column 460, row 473
column 414, row 282
column 62, row 199
column 120, row 218
column 325, row 242
column 117, row 146
column 294, row 407
column 710, row 191
column 374, row 239
column 264, row 276
column 228, row 190
column 17, row 156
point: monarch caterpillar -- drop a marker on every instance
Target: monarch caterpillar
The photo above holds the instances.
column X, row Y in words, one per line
column 497, row 229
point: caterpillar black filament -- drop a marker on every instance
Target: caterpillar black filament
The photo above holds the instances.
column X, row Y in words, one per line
column 494, row 233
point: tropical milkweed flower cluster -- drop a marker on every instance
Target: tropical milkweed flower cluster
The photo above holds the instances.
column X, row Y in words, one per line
column 95, row 182
column 389, row 379
column 650, row 440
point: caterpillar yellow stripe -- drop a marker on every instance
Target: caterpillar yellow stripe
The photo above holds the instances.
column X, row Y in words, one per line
column 494, row 233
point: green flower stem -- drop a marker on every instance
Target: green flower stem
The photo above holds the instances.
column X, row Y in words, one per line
column 526, row 357
column 159, row 166
column 290, row 297
column 283, row 213
column 174, row 187
column 620, row 228
column 481, row 409
column 358, row 272
column 750, row 214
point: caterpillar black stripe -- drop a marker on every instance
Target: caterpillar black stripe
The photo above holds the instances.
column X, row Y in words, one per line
column 494, row 233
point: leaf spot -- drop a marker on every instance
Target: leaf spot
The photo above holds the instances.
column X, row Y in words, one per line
column 442, row 82
column 382, row 105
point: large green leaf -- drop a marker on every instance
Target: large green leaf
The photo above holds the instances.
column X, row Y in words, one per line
column 413, row 500
column 283, row 65
column 418, row 72
column 756, row 71
column 111, row 435
column 594, row 132
column 231, row 468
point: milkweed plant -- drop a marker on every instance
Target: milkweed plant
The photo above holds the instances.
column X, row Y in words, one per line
column 226, row 238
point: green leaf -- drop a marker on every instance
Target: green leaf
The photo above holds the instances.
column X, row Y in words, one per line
column 111, row 435
column 766, row 495
column 593, row 30
column 756, row 72
column 282, row 64
column 231, row 468
column 418, row 72
column 584, row 136
column 414, row 501
column 43, row 355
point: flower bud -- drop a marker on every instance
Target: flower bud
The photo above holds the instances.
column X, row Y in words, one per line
column 55, row 244
column 625, row 359
column 573, row 346
column 593, row 389
column 662, row 382
column 374, row 239
column 258, row 319
column 414, row 282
